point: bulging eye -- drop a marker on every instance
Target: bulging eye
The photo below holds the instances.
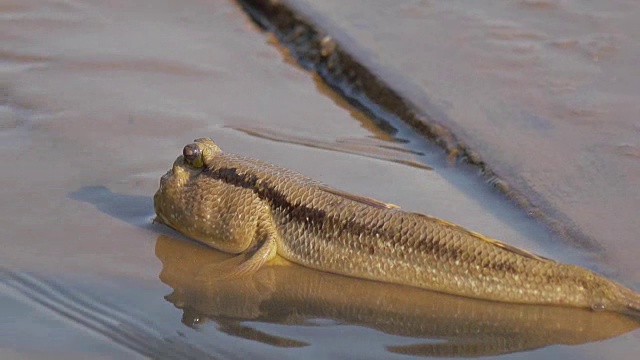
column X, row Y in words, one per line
column 192, row 155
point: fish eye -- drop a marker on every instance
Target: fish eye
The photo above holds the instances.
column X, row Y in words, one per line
column 193, row 156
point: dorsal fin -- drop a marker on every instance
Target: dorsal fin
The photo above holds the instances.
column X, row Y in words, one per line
column 489, row 240
column 361, row 199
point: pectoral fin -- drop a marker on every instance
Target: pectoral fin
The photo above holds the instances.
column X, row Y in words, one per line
column 244, row 264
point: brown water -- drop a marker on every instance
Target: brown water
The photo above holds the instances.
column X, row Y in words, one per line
column 96, row 100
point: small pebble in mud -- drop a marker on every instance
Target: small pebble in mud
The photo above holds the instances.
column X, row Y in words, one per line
column 327, row 46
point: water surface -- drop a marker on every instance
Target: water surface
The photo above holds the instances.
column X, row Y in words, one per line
column 544, row 90
column 96, row 101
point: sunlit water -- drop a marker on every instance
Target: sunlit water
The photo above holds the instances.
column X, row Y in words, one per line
column 544, row 90
column 96, row 101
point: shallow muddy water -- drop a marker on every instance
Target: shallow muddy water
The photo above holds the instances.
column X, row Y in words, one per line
column 545, row 91
column 96, row 101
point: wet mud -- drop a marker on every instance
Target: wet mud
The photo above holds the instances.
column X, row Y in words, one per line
column 96, row 101
column 545, row 110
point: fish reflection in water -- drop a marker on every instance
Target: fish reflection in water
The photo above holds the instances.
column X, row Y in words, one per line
column 442, row 325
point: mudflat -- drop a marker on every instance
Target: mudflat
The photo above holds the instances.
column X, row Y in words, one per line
column 95, row 98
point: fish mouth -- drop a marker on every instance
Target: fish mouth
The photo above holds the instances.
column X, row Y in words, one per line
column 159, row 195
column 171, row 172
column 164, row 178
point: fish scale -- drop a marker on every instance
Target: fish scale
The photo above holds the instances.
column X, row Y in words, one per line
column 238, row 204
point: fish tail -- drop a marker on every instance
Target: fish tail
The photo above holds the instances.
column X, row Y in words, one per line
column 633, row 304
column 616, row 297
column 629, row 302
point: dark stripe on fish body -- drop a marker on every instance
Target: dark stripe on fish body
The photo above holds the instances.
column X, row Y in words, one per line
column 315, row 219
column 312, row 217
